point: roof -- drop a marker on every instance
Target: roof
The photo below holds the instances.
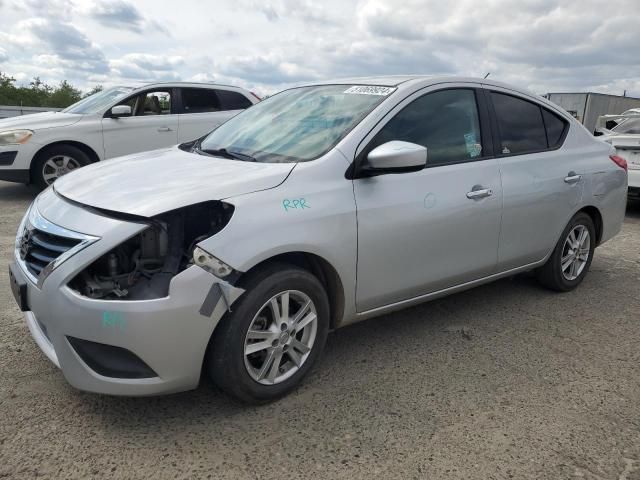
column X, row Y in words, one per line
column 396, row 80
column 594, row 93
column 186, row 84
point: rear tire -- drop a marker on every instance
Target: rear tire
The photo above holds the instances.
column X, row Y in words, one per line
column 56, row 161
column 260, row 351
column 570, row 261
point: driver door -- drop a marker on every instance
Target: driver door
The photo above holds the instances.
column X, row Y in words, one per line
column 152, row 124
column 420, row 232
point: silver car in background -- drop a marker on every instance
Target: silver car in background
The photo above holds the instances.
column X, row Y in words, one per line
column 323, row 205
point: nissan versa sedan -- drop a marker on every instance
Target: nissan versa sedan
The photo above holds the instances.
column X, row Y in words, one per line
column 323, row 205
column 42, row 147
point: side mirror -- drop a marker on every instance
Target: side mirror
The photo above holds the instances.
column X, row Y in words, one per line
column 121, row 111
column 396, row 157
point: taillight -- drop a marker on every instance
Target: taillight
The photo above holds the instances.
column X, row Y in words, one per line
column 621, row 162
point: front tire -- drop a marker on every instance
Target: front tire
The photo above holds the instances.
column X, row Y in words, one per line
column 572, row 256
column 273, row 336
column 56, row 161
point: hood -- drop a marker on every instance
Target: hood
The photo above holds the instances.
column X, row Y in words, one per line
column 38, row 121
column 151, row 183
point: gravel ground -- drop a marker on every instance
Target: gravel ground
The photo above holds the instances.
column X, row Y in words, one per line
column 504, row 381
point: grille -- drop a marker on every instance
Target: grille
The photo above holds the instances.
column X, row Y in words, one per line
column 38, row 249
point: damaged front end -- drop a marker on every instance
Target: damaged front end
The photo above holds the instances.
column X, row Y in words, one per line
column 142, row 267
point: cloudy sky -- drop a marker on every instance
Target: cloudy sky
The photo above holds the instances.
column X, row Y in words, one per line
column 545, row 45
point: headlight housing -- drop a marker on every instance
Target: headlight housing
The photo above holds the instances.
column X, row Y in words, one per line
column 211, row 264
column 23, row 224
column 15, row 137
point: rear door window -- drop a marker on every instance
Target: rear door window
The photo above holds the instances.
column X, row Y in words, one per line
column 199, row 100
column 520, row 125
column 232, row 100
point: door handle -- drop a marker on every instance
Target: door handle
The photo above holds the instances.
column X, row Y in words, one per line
column 572, row 177
column 165, row 129
column 482, row 193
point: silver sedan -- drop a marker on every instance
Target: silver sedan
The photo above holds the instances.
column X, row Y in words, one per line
column 323, row 205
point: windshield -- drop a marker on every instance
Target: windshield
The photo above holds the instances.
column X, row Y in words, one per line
column 295, row 125
column 98, row 102
column 630, row 126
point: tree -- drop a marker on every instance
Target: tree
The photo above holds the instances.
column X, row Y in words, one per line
column 39, row 93
column 93, row 91
column 7, row 89
column 63, row 95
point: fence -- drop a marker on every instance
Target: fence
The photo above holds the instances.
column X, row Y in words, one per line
column 14, row 111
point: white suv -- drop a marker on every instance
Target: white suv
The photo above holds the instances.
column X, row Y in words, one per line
column 118, row 121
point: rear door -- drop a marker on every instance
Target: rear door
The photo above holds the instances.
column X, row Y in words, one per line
column 204, row 109
column 542, row 182
column 419, row 232
column 153, row 124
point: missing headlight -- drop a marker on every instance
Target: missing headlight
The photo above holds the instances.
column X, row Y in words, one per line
column 142, row 267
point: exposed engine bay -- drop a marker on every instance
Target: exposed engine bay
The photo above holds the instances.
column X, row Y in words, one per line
column 142, row 267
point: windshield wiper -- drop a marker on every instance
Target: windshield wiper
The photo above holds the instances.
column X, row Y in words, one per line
column 223, row 152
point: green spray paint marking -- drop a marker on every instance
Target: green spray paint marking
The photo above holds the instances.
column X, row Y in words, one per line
column 113, row 320
column 295, row 204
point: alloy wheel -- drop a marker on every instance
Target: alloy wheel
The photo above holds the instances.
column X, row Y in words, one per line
column 57, row 166
column 575, row 252
column 280, row 337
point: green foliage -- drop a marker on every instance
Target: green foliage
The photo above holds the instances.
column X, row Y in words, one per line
column 39, row 93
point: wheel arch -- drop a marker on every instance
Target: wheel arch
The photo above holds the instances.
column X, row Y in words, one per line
column 321, row 269
column 596, row 216
column 90, row 152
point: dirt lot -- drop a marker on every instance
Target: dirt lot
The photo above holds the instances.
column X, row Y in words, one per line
column 504, row 381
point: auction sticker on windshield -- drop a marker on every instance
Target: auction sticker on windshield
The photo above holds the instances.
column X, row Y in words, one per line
column 370, row 90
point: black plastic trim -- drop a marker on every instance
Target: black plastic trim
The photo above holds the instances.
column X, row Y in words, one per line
column 15, row 175
column 111, row 361
column 7, row 158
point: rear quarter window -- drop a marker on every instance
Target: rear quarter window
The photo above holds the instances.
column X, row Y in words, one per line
column 555, row 128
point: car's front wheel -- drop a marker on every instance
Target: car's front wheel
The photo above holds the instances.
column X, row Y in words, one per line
column 54, row 162
column 272, row 337
column 570, row 261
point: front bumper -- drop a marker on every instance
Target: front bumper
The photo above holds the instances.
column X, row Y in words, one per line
column 15, row 161
column 170, row 335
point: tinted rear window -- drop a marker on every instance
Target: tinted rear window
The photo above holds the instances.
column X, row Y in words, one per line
column 232, row 100
column 199, row 100
column 520, row 124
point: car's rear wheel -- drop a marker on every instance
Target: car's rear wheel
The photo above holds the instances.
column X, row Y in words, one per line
column 56, row 161
column 572, row 256
column 272, row 337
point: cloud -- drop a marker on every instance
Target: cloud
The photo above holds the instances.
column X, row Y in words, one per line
column 268, row 69
column 380, row 20
column 146, row 67
column 120, row 14
column 66, row 45
column 305, row 11
column 269, row 44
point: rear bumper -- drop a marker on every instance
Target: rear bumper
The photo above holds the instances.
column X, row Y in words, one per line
column 634, row 180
